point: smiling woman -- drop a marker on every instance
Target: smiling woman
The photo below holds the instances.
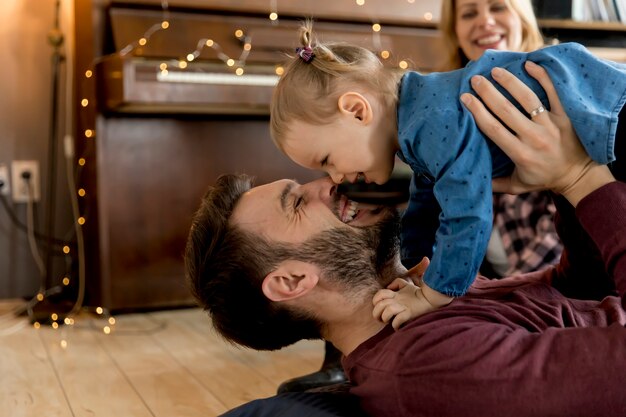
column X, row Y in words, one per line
column 470, row 27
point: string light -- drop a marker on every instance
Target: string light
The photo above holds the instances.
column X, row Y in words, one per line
column 66, row 249
column 403, row 64
column 66, row 281
column 279, row 70
column 84, row 102
column 88, row 73
column 428, row 16
column 360, row 2
column 384, row 54
column 273, row 16
column 88, row 133
column 82, row 161
column 36, row 325
column 81, row 192
column 81, row 220
column 376, row 27
column 99, row 310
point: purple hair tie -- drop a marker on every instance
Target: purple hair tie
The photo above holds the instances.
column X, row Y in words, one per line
column 305, row 53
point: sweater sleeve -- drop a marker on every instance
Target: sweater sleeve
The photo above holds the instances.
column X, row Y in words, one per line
column 603, row 215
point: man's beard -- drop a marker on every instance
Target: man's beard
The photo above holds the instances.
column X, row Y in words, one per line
column 364, row 257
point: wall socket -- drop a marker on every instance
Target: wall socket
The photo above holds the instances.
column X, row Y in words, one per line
column 4, row 179
column 20, row 184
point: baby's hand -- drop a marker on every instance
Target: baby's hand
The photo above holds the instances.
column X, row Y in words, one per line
column 400, row 302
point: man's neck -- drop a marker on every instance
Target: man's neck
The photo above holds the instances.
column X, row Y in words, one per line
column 347, row 335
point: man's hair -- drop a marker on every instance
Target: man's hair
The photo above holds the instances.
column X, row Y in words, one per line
column 225, row 267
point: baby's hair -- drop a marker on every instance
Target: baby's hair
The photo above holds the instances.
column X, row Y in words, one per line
column 318, row 74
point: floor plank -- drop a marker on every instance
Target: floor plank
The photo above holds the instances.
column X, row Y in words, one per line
column 159, row 364
column 167, row 388
column 29, row 386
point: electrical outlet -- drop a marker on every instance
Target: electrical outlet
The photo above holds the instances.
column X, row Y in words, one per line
column 19, row 169
column 5, row 188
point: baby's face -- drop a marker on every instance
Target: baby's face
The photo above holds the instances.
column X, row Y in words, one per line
column 346, row 151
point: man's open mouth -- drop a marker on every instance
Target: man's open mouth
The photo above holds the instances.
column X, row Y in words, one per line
column 349, row 210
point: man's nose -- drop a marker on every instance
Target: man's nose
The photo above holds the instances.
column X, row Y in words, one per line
column 323, row 189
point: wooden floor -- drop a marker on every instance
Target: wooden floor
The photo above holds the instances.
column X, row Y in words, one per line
column 168, row 364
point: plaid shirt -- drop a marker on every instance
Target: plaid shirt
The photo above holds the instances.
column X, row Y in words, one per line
column 526, row 225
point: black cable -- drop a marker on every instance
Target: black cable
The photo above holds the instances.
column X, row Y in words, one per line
column 22, row 226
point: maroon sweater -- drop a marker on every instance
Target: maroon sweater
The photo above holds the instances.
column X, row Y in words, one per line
column 511, row 347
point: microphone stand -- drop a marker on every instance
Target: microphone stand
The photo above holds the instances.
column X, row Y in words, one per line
column 55, row 38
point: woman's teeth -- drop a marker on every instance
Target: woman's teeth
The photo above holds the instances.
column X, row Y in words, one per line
column 489, row 40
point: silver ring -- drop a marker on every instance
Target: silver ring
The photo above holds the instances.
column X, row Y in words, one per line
column 537, row 111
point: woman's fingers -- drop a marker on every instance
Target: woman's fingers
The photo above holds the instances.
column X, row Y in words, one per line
column 541, row 75
column 489, row 125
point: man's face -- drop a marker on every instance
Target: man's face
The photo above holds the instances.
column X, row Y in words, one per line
column 347, row 241
column 285, row 211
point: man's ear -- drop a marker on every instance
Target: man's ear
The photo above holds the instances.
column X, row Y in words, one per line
column 356, row 105
column 291, row 279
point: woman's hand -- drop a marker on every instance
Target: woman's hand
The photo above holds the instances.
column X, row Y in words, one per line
column 545, row 149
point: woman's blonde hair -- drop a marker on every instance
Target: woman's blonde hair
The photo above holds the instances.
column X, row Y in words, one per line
column 531, row 35
column 308, row 89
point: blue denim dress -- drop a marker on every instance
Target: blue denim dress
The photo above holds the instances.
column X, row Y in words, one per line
column 449, row 216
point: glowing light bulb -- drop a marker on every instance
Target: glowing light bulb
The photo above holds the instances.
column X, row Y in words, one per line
column 55, row 325
column 165, row 24
column 106, row 330
column 84, row 102
column 230, row 62
column 82, row 192
column 239, row 71
column 182, row 64
column 376, row 27
column 99, row 310
column 279, row 70
column 111, row 321
column 82, row 161
column 273, row 16
column 36, row 325
column 88, row 133
column 64, row 344
column 40, row 297
column 428, row 16
column 190, row 57
column 88, row 73
column 66, row 249
column 209, row 42
column 142, row 41
column 360, row 2
column 239, row 33
column 66, row 281
column 54, row 316
column 247, row 46
column 384, row 54
column 81, row 220
column 163, row 66
column 403, row 64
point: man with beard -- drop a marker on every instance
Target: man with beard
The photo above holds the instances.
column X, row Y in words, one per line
column 283, row 262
